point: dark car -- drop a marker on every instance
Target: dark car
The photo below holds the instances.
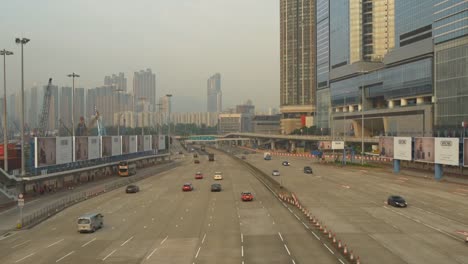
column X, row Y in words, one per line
column 308, row 170
column 196, row 161
column 246, row 196
column 132, row 189
column 286, row 163
column 188, row 187
column 216, row 187
column 396, row 201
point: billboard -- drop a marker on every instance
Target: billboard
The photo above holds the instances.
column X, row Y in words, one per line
column 402, row 148
column 386, row 147
column 125, row 144
column 154, row 142
column 45, row 150
column 424, row 149
column 140, row 143
column 106, row 145
column 337, row 145
column 116, row 145
column 94, row 148
column 81, row 148
column 162, row 142
column 133, row 144
column 324, row 145
column 446, row 151
column 63, row 150
column 465, row 152
column 146, row 142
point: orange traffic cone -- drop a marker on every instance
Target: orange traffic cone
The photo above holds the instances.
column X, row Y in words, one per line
column 334, row 239
column 351, row 256
column 329, row 235
column 358, row 261
column 325, row 230
column 339, row 244
column 345, row 251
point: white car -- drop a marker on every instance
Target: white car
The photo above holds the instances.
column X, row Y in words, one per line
column 275, row 173
column 218, row 176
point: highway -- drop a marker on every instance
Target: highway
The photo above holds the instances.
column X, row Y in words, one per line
column 162, row 224
column 351, row 201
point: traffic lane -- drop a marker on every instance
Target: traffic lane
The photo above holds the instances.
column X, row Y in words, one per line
column 270, row 233
column 112, row 222
column 348, row 216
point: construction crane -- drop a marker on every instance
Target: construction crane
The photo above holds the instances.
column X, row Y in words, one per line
column 44, row 117
column 64, row 126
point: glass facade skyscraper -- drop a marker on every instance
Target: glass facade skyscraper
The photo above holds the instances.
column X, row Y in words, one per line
column 339, row 33
column 323, row 63
column 413, row 21
column 450, row 20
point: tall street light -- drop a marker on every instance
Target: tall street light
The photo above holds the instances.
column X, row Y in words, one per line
column 169, row 119
column 5, row 53
column 73, row 76
column 22, row 42
column 362, row 116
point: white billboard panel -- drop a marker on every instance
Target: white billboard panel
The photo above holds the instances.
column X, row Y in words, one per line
column 402, row 148
column 45, row 151
column 162, row 142
column 64, row 150
column 133, row 144
column 309, row 121
column 116, row 145
column 94, row 148
column 337, row 144
column 424, row 149
column 147, row 142
column 446, row 151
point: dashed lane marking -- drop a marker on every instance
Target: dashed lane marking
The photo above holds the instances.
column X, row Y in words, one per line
column 151, row 254
column 21, row 259
column 20, row 244
column 85, row 244
column 110, row 254
column 242, row 238
column 287, row 249
column 55, row 243
column 58, row 260
column 128, row 240
column 281, row 237
column 331, row 251
column 306, row 226
column 242, row 251
column 315, row 235
column 196, row 256
column 203, row 240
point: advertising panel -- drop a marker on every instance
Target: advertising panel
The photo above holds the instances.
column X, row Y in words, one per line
column 337, row 144
column 424, row 149
column 133, row 144
column 94, row 148
column 386, row 147
column 116, row 145
column 147, row 142
column 465, row 152
column 125, row 144
column 154, row 142
column 162, row 142
column 81, row 148
column 402, row 148
column 324, row 145
column 106, row 145
column 140, row 143
column 45, row 152
column 63, row 150
column 446, row 151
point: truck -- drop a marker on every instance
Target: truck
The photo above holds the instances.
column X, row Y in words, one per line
column 267, row 156
column 126, row 169
column 210, row 157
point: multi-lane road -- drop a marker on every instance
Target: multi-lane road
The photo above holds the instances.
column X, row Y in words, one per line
column 351, row 201
column 162, row 224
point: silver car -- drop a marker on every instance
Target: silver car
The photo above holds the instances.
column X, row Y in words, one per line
column 275, row 173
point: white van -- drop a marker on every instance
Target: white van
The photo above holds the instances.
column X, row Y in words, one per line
column 90, row 222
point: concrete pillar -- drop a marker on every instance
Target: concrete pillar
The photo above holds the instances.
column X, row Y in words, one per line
column 337, row 110
column 273, row 145
column 404, row 102
column 359, row 107
column 292, row 145
column 351, row 108
column 419, row 100
column 345, row 109
column 438, row 171
column 396, row 166
column 391, row 104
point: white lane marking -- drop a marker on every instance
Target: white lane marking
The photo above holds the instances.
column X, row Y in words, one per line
column 15, row 246
column 203, row 240
column 164, row 240
column 281, row 237
column 293, row 261
column 331, row 251
column 315, row 235
column 198, row 251
column 55, row 243
column 110, row 254
column 287, row 249
column 151, row 254
column 64, row 256
column 306, row 226
column 273, row 222
column 297, row 217
column 126, row 241
column 284, row 204
column 85, row 244
column 25, row 257
column 242, row 238
column 242, row 251
column 290, row 210
column 341, row 261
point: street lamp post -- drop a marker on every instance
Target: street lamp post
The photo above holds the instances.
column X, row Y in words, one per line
column 73, row 76
column 169, row 119
column 362, row 117
column 22, row 42
column 5, row 53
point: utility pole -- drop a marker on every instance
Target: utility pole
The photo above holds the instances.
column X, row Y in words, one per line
column 5, row 53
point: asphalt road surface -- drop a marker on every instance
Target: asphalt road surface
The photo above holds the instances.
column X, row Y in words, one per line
column 351, row 201
column 162, row 224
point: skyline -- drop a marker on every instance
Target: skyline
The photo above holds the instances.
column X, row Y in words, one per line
column 217, row 43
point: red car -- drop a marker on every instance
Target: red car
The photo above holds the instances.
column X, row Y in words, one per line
column 246, row 196
column 187, row 187
column 198, row 175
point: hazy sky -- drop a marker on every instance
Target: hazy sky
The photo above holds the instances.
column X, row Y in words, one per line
column 182, row 41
